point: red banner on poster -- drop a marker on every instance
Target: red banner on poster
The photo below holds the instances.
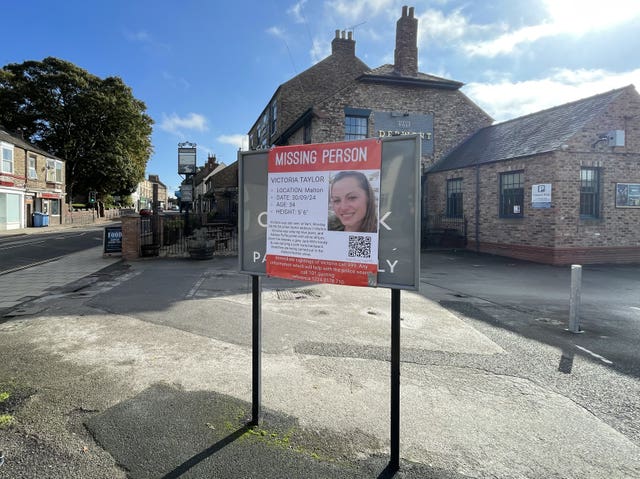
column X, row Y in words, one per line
column 322, row 271
column 347, row 155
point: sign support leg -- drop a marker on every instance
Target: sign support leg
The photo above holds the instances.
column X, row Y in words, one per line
column 394, row 462
column 256, row 348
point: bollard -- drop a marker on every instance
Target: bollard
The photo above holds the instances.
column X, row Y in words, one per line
column 574, row 302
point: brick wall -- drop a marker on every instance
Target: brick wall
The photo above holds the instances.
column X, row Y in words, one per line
column 455, row 116
column 130, row 237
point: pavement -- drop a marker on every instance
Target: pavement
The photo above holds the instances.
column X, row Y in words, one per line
column 142, row 369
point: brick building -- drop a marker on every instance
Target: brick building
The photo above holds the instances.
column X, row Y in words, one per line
column 32, row 182
column 559, row 186
column 478, row 178
column 341, row 98
column 143, row 196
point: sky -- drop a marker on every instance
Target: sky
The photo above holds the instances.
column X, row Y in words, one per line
column 206, row 69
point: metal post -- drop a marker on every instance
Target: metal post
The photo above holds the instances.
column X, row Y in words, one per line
column 394, row 461
column 256, row 349
column 574, row 302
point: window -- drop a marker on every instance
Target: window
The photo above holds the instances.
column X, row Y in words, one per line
column 7, row 158
column 355, row 127
column 590, row 192
column 54, row 171
column 511, row 195
column 274, row 117
column 454, row 198
column 33, row 172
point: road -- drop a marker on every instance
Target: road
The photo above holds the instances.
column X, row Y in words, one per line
column 25, row 250
column 533, row 300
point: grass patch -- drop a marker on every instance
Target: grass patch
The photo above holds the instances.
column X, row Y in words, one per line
column 5, row 420
column 4, row 396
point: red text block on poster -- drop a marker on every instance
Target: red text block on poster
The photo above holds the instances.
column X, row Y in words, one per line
column 321, row 271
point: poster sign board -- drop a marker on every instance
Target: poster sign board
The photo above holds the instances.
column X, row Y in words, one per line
column 322, row 212
column 112, row 240
column 303, row 236
column 627, row 195
column 541, row 195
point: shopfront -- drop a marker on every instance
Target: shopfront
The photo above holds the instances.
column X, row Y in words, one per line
column 11, row 201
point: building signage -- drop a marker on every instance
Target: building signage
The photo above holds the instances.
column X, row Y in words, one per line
column 627, row 195
column 322, row 212
column 389, row 124
column 112, row 242
column 50, row 196
column 397, row 178
column 541, row 195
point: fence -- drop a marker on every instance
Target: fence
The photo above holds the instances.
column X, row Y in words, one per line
column 445, row 232
column 170, row 235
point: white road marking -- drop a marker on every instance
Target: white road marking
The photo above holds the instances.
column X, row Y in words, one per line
column 597, row 356
column 191, row 294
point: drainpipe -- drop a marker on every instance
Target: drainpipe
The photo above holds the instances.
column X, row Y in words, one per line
column 477, row 235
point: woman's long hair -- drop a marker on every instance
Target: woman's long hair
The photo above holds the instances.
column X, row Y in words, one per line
column 369, row 223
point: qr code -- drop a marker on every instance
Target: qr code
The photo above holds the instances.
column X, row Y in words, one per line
column 359, row 247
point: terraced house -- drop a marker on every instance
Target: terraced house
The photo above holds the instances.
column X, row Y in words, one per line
column 558, row 186
column 32, row 184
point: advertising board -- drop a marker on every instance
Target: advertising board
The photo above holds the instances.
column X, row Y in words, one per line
column 277, row 236
column 112, row 240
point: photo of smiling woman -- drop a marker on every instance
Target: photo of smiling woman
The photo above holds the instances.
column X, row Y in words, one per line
column 352, row 203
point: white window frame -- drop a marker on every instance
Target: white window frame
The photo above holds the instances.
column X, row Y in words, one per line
column 33, row 170
column 6, row 147
column 54, row 171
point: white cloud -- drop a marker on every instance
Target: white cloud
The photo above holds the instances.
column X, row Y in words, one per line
column 572, row 17
column 319, row 50
column 175, row 124
column 355, row 12
column 238, row 140
column 276, row 32
column 505, row 99
column 435, row 25
column 296, row 11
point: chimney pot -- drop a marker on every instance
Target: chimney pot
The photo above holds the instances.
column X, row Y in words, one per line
column 350, row 35
column 337, row 33
column 404, row 11
column 411, row 12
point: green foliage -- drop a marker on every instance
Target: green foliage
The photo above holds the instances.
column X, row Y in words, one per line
column 96, row 125
column 5, row 420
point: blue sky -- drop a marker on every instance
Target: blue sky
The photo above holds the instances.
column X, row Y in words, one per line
column 206, row 69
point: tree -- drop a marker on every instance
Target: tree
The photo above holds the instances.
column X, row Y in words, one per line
column 101, row 131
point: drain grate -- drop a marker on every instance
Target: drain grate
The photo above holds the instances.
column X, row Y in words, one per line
column 292, row 294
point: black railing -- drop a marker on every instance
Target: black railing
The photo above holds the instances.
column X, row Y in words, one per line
column 445, row 232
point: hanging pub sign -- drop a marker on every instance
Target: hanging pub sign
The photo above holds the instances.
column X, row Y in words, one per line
column 186, row 158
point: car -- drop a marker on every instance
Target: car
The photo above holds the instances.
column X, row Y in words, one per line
column 145, row 212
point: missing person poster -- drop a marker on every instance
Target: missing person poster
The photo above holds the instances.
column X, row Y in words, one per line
column 322, row 212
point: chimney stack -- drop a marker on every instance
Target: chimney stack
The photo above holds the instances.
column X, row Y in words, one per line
column 406, row 52
column 343, row 44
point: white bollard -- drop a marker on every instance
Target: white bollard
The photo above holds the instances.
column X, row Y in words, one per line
column 574, row 302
